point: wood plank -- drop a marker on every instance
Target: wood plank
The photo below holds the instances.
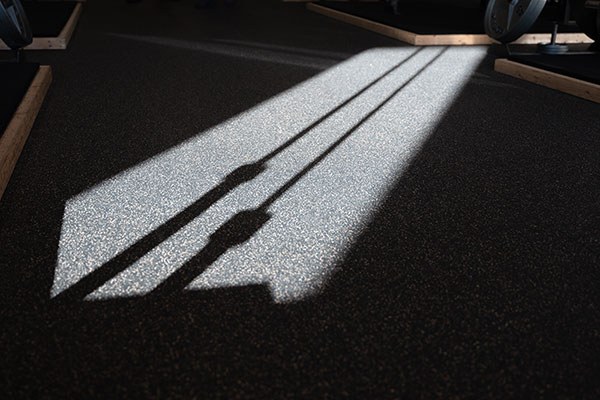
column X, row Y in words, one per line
column 69, row 28
column 453, row 40
column 565, row 38
column 382, row 29
column 59, row 42
column 440, row 39
column 14, row 137
column 566, row 84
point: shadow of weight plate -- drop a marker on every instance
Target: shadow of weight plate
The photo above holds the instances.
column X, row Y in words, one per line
column 14, row 26
column 507, row 20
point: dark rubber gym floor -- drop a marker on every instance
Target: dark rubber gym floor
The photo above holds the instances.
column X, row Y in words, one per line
column 261, row 202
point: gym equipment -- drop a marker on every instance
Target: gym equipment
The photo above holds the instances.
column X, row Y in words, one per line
column 14, row 25
column 507, row 20
column 553, row 47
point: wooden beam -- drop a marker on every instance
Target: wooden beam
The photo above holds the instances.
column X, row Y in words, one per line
column 67, row 31
column 453, row 40
column 566, row 38
column 566, row 84
column 439, row 39
column 14, row 137
column 386, row 30
column 59, row 42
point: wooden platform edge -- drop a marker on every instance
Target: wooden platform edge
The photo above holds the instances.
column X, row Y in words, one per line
column 566, row 38
column 453, row 40
column 69, row 28
column 382, row 29
column 14, row 137
column 443, row 39
column 59, row 42
column 566, row 84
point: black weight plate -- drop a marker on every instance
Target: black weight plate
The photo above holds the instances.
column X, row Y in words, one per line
column 507, row 20
column 14, row 26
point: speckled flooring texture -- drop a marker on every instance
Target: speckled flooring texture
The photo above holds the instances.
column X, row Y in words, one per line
column 261, row 202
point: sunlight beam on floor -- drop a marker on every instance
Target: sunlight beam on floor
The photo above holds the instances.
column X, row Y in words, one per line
column 312, row 224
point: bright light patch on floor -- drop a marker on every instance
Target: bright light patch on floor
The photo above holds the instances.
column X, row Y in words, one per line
column 313, row 223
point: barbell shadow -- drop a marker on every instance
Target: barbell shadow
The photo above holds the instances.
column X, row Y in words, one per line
column 245, row 224
column 237, row 177
column 292, row 51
